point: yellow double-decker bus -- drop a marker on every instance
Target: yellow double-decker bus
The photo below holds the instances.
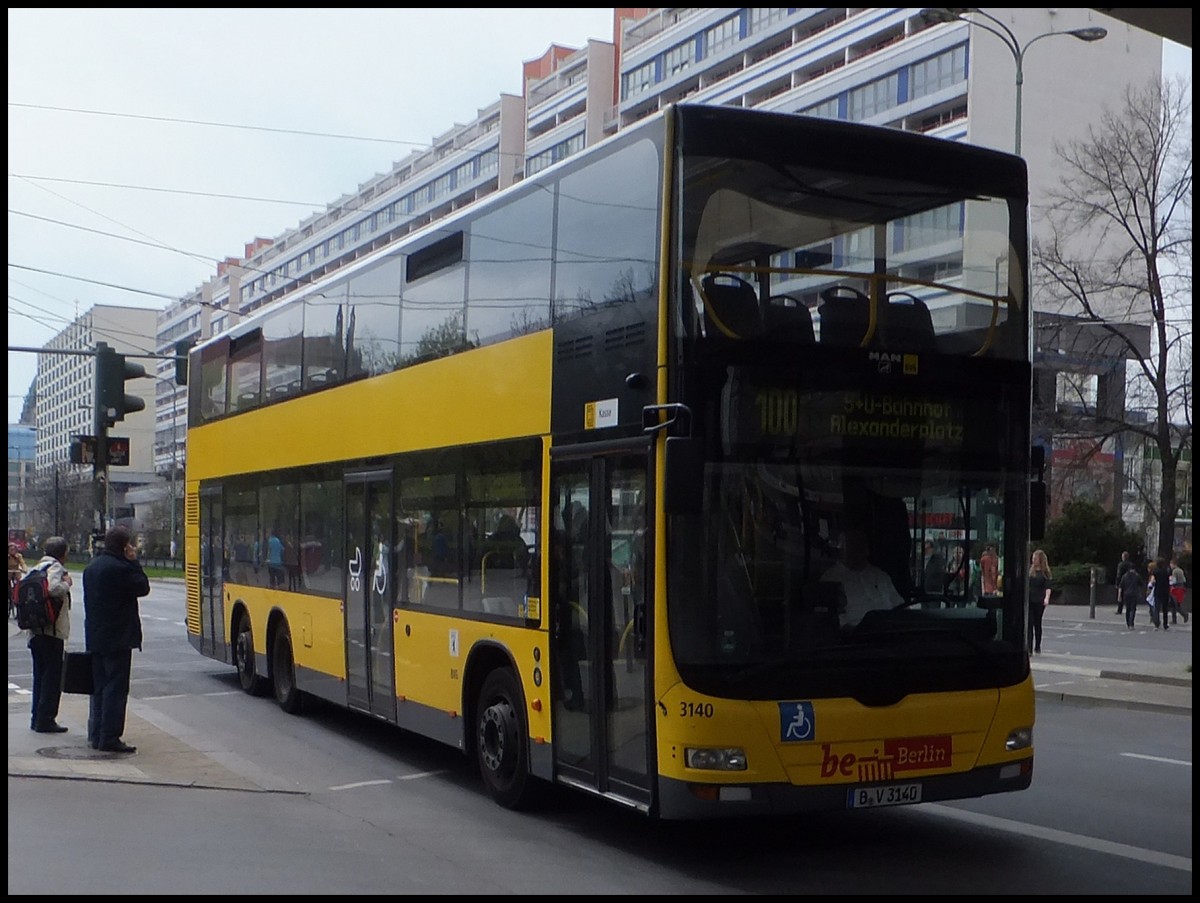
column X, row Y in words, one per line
column 663, row 474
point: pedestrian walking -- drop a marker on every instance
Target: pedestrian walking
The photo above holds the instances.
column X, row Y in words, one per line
column 934, row 573
column 112, row 584
column 1125, row 564
column 1039, row 597
column 1160, row 588
column 1178, row 591
column 46, row 644
column 1132, row 589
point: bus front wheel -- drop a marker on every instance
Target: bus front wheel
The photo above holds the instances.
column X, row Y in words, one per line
column 243, row 654
column 502, row 741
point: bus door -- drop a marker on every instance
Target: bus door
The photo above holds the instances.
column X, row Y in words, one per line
column 214, row 571
column 370, row 591
column 599, row 572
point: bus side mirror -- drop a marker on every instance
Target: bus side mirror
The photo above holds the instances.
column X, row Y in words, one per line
column 683, row 483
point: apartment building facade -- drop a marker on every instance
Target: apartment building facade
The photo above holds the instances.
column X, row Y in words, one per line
column 891, row 67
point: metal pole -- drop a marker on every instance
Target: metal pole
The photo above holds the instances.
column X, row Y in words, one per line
column 1019, row 57
column 171, row 545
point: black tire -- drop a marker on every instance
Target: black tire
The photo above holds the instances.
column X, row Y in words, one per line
column 283, row 673
column 243, row 657
column 502, row 742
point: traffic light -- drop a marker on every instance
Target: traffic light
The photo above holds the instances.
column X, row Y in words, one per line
column 182, row 347
column 112, row 371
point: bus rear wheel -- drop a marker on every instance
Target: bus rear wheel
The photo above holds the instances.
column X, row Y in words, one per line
column 283, row 673
column 502, row 741
column 243, row 657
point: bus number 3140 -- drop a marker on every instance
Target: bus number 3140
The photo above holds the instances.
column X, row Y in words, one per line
column 695, row 709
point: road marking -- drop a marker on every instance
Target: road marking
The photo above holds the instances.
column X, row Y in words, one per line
column 419, row 774
column 358, row 784
column 1157, row 759
column 1152, row 857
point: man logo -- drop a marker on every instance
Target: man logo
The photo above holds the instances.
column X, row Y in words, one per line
column 885, row 361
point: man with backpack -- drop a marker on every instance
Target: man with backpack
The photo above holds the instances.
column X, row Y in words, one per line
column 46, row 643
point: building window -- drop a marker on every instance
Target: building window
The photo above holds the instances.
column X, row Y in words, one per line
column 930, row 228
column 762, row 18
column 639, row 80
column 552, row 155
column 936, row 73
column 873, row 98
column 721, row 36
column 489, row 162
column 827, row 109
column 441, row 187
column 1076, row 391
column 679, row 58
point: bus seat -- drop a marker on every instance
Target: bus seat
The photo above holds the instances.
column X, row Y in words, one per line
column 909, row 325
column 845, row 315
column 730, row 307
column 788, row 320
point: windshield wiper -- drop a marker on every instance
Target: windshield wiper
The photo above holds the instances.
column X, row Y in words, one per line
column 884, row 635
column 751, row 672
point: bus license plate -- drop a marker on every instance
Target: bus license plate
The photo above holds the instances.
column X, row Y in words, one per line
column 892, row 795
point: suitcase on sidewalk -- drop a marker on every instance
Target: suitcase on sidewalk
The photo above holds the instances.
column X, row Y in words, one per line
column 77, row 673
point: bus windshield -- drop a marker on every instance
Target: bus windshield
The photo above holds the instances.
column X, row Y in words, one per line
column 855, row 360
column 850, row 526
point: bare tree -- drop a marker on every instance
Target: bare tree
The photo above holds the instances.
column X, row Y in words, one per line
column 1119, row 252
column 62, row 501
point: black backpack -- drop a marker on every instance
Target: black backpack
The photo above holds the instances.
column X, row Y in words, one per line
column 36, row 608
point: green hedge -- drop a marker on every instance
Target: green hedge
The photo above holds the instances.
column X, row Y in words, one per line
column 1075, row 573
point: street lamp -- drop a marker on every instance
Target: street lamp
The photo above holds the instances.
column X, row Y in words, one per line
column 1004, row 33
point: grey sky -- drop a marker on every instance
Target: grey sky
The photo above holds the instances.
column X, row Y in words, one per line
column 402, row 75
column 405, row 75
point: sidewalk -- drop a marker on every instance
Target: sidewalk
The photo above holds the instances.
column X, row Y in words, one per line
column 170, row 753
column 1156, row 686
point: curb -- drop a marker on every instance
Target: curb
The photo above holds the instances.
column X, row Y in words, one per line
column 1148, row 678
column 1105, row 702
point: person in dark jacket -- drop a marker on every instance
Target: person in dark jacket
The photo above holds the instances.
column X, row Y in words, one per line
column 1122, row 569
column 112, row 584
column 1132, row 590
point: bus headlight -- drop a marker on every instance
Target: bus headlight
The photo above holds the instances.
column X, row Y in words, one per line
column 1021, row 738
column 715, row 758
